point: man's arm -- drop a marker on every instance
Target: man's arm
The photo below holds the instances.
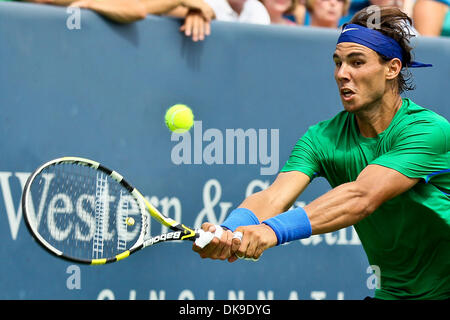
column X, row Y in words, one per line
column 341, row 207
column 277, row 198
column 349, row 203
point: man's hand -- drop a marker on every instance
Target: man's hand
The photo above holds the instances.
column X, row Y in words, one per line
column 255, row 240
column 217, row 248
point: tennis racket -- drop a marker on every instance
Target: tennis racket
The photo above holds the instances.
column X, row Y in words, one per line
column 81, row 211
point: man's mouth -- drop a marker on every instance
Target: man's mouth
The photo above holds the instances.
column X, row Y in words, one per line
column 346, row 93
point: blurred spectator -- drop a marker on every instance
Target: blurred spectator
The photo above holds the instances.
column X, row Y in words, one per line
column 405, row 5
column 121, row 11
column 432, row 17
column 326, row 13
column 247, row 11
column 197, row 13
column 299, row 12
column 278, row 9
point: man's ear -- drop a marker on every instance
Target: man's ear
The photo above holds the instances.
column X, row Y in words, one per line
column 393, row 68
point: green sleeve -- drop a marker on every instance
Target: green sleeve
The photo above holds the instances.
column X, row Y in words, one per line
column 421, row 150
column 304, row 157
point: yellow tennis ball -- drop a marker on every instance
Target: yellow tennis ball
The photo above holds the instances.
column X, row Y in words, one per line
column 130, row 221
column 179, row 118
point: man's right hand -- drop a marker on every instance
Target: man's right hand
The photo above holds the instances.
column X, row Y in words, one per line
column 222, row 249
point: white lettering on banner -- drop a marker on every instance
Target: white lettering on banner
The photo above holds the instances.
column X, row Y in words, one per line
column 188, row 294
column 214, row 210
column 14, row 217
column 209, row 204
column 54, row 209
column 318, row 295
column 166, row 205
column 235, row 139
column 153, row 295
column 106, row 294
column 233, row 296
column 261, row 295
column 88, row 220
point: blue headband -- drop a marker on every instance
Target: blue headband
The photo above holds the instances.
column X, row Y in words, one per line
column 376, row 41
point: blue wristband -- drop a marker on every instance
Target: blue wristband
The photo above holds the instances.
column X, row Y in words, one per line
column 290, row 225
column 240, row 217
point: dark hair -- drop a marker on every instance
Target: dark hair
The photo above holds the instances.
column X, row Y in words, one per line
column 396, row 24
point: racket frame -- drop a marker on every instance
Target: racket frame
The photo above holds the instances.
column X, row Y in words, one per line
column 179, row 231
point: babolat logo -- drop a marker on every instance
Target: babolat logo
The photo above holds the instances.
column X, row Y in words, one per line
column 163, row 237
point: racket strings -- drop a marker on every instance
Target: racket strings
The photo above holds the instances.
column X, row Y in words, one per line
column 83, row 212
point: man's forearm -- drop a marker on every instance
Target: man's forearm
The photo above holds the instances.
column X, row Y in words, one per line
column 279, row 197
column 339, row 208
column 263, row 206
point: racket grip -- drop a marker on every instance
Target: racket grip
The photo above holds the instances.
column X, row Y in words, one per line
column 205, row 237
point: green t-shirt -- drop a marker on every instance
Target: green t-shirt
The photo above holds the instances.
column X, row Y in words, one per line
column 408, row 237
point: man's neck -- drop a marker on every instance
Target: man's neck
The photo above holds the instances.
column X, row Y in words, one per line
column 376, row 118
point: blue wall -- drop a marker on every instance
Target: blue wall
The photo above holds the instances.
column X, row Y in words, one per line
column 101, row 92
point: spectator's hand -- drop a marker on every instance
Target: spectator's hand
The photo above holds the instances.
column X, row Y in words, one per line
column 196, row 26
column 217, row 248
column 201, row 6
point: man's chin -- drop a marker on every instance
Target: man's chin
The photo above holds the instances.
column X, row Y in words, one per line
column 350, row 107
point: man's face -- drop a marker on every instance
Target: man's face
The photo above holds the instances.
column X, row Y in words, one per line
column 360, row 76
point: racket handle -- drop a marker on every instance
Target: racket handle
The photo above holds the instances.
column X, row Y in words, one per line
column 205, row 237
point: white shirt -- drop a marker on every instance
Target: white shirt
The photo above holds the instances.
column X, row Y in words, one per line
column 253, row 11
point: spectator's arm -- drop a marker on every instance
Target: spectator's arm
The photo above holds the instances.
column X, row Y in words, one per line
column 158, row 7
column 428, row 17
column 122, row 11
column 54, row 2
column 178, row 8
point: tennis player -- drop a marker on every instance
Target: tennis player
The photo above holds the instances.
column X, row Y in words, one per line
column 387, row 160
